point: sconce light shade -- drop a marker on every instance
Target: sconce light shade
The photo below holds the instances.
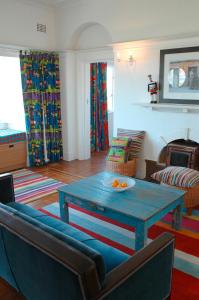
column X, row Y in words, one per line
column 118, row 57
column 130, row 58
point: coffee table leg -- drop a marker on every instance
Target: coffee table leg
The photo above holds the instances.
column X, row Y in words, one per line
column 63, row 206
column 140, row 236
column 177, row 217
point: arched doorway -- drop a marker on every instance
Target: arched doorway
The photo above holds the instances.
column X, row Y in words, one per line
column 92, row 45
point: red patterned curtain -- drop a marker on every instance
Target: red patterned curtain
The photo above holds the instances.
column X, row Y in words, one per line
column 99, row 111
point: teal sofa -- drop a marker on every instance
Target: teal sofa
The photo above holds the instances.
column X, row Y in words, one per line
column 46, row 259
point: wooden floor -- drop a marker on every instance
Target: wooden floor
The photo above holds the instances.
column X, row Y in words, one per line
column 66, row 172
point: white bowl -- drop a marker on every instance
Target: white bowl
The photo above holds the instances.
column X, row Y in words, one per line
column 108, row 183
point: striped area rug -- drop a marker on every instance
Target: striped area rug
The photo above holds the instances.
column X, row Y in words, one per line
column 120, row 236
column 29, row 186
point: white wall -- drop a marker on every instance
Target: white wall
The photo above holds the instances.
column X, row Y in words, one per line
column 18, row 21
column 94, row 36
column 128, row 20
column 131, row 87
column 69, row 104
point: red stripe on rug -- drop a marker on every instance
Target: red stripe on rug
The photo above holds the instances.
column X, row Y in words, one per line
column 183, row 242
column 186, row 223
column 185, row 287
column 25, row 182
column 25, row 176
column 30, row 195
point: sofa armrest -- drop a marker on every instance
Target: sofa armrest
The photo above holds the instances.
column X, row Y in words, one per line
column 6, row 188
column 146, row 275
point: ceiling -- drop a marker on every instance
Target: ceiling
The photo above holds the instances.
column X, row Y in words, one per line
column 49, row 2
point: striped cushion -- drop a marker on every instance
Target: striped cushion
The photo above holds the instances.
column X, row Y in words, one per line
column 122, row 141
column 137, row 138
column 177, row 176
column 118, row 154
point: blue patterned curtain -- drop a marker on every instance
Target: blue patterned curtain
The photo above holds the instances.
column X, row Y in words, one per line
column 99, row 111
column 41, row 94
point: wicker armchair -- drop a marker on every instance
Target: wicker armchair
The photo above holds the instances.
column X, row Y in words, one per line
column 127, row 169
column 191, row 198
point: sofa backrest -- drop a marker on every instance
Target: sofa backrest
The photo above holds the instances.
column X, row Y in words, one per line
column 41, row 265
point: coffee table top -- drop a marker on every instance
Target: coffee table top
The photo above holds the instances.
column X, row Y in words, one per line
column 142, row 201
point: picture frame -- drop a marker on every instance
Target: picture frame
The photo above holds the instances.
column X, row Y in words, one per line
column 179, row 75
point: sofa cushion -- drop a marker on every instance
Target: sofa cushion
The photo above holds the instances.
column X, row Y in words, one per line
column 177, row 176
column 111, row 257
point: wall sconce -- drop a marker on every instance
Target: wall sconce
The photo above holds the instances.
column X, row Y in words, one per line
column 118, row 57
column 130, row 58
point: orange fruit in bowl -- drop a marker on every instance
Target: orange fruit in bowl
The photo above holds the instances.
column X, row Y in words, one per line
column 118, row 184
column 123, row 184
column 115, row 183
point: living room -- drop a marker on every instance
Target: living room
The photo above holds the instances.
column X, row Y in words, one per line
column 134, row 38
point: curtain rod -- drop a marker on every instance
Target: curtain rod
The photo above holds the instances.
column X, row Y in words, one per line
column 18, row 48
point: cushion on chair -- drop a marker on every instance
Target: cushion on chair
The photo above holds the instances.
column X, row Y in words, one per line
column 122, row 141
column 110, row 256
column 137, row 138
column 117, row 154
column 177, row 176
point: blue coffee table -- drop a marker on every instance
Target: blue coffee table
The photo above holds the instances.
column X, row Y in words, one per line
column 140, row 207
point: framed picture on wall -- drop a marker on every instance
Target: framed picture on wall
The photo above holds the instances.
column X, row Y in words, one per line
column 179, row 75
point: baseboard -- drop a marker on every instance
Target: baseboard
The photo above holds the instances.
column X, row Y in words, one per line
column 68, row 156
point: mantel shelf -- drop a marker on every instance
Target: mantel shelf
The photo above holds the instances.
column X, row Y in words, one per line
column 185, row 108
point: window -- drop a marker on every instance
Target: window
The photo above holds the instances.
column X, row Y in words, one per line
column 110, row 87
column 11, row 99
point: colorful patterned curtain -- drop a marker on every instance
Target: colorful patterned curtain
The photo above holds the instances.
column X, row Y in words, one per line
column 41, row 94
column 99, row 112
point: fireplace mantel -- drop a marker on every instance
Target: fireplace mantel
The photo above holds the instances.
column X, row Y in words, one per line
column 184, row 108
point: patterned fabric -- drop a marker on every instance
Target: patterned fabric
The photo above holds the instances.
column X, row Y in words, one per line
column 41, row 94
column 137, row 138
column 30, row 186
column 120, row 141
column 99, row 113
column 11, row 136
column 177, row 176
column 118, row 154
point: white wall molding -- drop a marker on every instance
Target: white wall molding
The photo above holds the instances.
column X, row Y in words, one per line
column 177, row 41
column 107, row 49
